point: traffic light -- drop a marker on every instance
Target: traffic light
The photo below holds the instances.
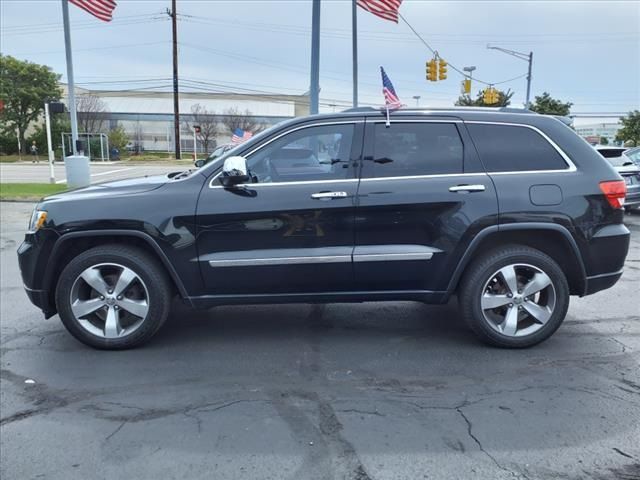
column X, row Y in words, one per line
column 490, row 96
column 432, row 74
column 466, row 86
column 442, row 69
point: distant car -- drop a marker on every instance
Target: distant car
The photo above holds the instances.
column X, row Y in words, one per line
column 633, row 154
column 627, row 168
column 217, row 153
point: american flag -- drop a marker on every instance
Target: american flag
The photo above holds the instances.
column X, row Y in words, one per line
column 102, row 9
column 240, row 136
column 387, row 9
column 391, row 99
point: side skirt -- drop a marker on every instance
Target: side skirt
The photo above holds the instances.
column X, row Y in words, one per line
column 424, row 296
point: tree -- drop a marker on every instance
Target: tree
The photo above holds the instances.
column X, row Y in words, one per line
column 547, row 105
column 118, row 138
column 630, row 131
column 233, row 119
column 504, row 100
column 91, row 114
column 24, row 88
column 208, row 123
column 604, row 141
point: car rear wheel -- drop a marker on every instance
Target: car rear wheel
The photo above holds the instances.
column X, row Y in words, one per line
column 113, row 297
column 514, row 297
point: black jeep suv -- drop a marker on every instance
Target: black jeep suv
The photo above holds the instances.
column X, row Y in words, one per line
column 510, row 210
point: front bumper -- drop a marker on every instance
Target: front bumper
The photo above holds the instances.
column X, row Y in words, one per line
column 33, row 256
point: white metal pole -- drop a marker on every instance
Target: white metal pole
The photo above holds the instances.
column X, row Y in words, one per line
column 47, row 120
column 195, row 144
column 70, row 82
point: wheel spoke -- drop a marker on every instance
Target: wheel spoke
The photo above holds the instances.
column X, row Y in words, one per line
column 94, row 279
column 539, row 282
column 491, row 300
column 139, row 308
column 80, row 308
column 510, row 279
column 539, row 313
column 112, row 327
column 127, row 276
column 510, row 324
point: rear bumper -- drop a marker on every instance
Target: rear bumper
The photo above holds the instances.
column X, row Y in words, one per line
column 606, row 255
column 603, row 281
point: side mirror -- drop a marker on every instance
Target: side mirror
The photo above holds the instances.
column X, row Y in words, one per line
column 234, row 172
column 200, row 163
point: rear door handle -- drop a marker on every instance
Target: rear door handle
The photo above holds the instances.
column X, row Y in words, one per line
column 328, row 195
column 467, row 188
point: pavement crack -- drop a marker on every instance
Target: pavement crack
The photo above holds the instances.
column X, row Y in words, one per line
column 122, row 424
column 617, row 450
column 477, row 441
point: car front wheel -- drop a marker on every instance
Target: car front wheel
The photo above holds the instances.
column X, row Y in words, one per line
column 113, row 297
column 514, row 297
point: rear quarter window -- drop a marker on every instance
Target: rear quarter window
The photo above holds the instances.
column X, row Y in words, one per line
column 511, row 148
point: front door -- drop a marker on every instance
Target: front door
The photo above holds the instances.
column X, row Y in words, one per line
column 291, row 229
column 422, row 196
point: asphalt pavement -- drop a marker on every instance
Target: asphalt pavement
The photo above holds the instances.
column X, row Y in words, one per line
column 100, row 172
column 395, row 390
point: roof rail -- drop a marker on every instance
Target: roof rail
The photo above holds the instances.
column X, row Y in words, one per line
column 442, row 109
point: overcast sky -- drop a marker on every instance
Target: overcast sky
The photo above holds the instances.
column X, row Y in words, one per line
column 586, row 52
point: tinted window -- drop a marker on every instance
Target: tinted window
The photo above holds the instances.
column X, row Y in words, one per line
column 314, row 153
column 505, row 148
column 610, row 152
column 406, row 149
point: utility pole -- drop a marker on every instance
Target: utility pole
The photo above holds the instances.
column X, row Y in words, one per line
column 314, row 89
column 176, row 99
column 522, row 56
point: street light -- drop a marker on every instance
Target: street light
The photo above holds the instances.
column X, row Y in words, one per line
column 469, row 70
column 522, row 56
column 417, row 99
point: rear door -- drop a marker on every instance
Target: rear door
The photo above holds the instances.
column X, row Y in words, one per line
column 423, row 195
column 291, row 229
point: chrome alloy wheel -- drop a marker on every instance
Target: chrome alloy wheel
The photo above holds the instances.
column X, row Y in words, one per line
column 109, row 300
column 518, row 300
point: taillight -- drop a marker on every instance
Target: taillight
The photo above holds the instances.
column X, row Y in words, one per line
column 615, row 191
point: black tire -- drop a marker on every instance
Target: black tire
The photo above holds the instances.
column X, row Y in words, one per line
column 156, row 286
column 482, row 271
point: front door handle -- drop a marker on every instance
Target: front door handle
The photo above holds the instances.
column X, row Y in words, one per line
column 328, row 195
column 467, row 188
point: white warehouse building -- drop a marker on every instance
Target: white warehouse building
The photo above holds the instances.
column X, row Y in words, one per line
column 147, row 116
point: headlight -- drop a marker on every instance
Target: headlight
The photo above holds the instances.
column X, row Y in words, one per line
column 38, row 217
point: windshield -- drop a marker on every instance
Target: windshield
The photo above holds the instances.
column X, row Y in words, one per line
column 611, row 152
column 633, row 154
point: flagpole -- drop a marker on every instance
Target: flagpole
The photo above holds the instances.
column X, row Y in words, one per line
column 354, row 37
column 314, row 89
column 70, row 82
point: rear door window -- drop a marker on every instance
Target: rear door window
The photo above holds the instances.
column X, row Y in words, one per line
column 511, row 148
column 414, row 149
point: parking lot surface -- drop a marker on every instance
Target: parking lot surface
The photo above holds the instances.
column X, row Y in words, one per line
column 365, row 391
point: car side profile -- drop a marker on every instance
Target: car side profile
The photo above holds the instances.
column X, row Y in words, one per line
column 508, row 210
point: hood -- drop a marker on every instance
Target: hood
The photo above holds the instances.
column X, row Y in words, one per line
column 118, row 187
